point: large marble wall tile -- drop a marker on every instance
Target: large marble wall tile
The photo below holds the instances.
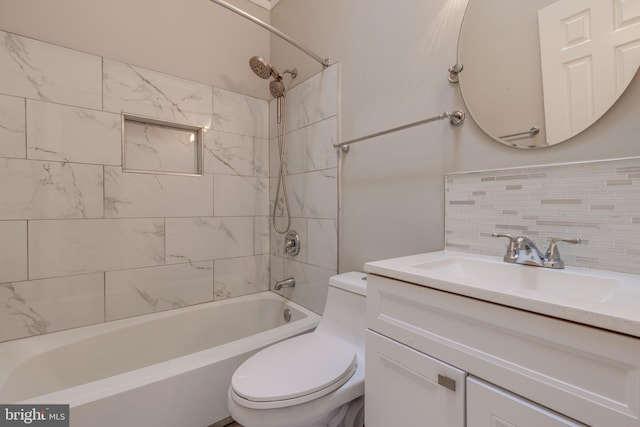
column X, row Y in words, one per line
column 148, row 290
column 13, row 251
column 72, row 134
column 59, row 248
column 228, row 153
column 313, row 100
column 322, row 246
column 37, row 70
column 261, row 157
column 240, row 196
column 295, row 194
column 202, row 239
column 153, row 148
column 262, row 235
column 311, row 287
column 149, row 93
column 277, row 270
column 32, row 189
column 321, row 194
column 12, row 127
column 274, row 158
column 237, row 113
column 295, row 151
column 147, row 195
column 320, row 139
column 40, row 306
column 241, row 276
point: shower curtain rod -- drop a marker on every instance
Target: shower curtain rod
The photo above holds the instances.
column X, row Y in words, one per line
column 325, row 62
column 456, row 118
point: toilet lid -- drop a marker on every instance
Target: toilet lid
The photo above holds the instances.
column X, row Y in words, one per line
column 299, row 369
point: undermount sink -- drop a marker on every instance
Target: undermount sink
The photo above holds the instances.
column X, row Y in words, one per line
column 520, row 279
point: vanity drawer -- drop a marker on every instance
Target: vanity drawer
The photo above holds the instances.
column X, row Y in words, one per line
column 586, row 373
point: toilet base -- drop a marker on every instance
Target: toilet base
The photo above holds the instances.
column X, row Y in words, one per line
column 351, row 415
column 347, row 415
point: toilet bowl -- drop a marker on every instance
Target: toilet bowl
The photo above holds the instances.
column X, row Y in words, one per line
column 312, row 380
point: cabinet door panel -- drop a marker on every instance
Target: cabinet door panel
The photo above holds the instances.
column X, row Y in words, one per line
column 489, row 406
column 404, row 387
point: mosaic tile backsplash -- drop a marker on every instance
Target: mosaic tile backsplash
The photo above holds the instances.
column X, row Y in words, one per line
column 598, row 202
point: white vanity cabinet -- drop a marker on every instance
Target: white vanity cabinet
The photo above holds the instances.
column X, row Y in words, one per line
column 511, row 368
column 489, row 406
column 407, row 388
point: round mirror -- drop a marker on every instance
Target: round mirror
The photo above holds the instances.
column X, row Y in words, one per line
column 538, row 72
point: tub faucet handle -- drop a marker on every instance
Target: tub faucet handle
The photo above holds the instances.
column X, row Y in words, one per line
column 512, row 253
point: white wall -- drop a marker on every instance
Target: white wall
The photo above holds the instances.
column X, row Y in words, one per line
column 394, row 57
column 193, row 39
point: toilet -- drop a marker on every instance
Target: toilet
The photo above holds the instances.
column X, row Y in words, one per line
column 312, row 380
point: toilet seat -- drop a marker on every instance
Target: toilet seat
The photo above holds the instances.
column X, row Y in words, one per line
column 294, row 371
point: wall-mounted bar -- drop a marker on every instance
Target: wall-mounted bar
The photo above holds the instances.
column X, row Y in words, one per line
column 456, row 118
column 531, row 132
column 325, row 62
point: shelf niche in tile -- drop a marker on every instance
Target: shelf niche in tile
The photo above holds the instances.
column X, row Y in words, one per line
column 160, row 147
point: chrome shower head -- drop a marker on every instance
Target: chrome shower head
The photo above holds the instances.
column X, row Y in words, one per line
column 262, row 68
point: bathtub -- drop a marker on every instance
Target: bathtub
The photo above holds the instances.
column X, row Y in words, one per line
column 165, row 369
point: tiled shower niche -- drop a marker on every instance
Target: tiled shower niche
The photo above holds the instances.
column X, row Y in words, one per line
column 599, row 202
column 83, row 242
column 161, row 147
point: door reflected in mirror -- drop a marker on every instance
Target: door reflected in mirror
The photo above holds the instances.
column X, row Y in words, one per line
column 538, row 72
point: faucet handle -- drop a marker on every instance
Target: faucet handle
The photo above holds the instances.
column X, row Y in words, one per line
column 552, row 256
column 512, row 254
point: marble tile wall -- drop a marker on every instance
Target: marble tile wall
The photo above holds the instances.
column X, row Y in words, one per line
column 599, row 202
column 83, row 242
column 311, row 173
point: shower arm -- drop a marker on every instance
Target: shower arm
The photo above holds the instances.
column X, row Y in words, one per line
column 325, row 62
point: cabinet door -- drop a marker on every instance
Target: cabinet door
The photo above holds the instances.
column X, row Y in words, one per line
column 489, row 406
column 404, row 387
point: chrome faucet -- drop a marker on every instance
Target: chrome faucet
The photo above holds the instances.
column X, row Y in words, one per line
column 286, row 283
column 521, row 250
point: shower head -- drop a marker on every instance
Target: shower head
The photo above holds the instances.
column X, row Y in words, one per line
column 276, row 87
column 262, row 68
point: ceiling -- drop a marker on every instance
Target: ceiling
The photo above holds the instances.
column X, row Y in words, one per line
column 267, row 4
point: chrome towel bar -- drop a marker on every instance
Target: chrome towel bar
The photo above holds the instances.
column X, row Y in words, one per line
column 456, row 118
column 531, row 132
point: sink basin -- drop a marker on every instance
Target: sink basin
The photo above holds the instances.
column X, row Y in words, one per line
column 520, row 279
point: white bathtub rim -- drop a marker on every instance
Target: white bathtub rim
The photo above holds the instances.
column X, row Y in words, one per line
column 14, row 352
column 89, row 392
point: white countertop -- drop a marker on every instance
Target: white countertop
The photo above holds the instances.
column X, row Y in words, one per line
column 618, row 312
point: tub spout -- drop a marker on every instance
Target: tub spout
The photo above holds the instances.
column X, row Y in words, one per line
column 286, row 283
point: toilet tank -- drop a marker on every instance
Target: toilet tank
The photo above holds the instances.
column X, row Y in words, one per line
column 345, row 310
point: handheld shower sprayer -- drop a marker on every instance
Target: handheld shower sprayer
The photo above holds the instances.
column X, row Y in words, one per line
column 263, row 70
